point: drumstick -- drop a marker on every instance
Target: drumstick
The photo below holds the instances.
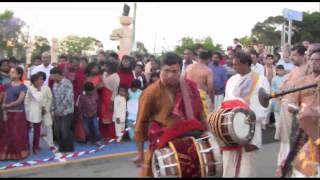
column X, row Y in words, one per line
column 292, row 154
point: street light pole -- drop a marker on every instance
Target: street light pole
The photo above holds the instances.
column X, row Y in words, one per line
column 133, row 47
column 290, row 32
column 155, row 43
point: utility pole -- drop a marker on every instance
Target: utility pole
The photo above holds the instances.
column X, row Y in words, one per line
column 134, row 27
column 155, row 43
column 290, row 32
column 283, row 36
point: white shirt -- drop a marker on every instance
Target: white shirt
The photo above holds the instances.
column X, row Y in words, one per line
column 44, row 69
column 287, row 66
column 34, row 101
column 258, row 68
column 255, row 106
column 120, row 109
column 184, row 66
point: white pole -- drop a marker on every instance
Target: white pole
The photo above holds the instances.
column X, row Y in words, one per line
column 283, row 36
column 133, row 47
column 155, row 43
column 290, row 32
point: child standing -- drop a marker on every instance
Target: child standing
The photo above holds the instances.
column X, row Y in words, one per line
column 132, row 105
column 276, row 81
column 46, row 117
column 34, row 108
column 88, row 107
column 120, row 111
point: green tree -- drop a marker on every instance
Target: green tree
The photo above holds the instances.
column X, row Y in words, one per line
column 11, row 35
column 269, row 31
column 188, row 42
column 245, row 41
column 185, row 42
column 307, row 29
column 40, row 44
column 73, row 44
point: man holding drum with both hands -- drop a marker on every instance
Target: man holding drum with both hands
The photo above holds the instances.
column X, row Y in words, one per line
column 171, row 109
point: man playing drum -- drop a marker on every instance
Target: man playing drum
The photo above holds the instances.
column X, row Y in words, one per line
column 169, row 108
column 307, row 162
column 245, row 85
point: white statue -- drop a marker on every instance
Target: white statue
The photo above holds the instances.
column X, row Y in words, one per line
column 54, row 51
column 123, row 34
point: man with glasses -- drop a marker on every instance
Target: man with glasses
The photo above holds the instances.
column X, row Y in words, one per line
column 44, row 67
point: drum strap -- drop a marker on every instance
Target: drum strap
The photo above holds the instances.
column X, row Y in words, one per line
column 186, row 99
column 255, row 79
column 238, row 149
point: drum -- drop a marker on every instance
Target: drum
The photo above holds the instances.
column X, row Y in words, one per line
column 210, row 156
column 233, row 126
column 188, row 157
column 165, row 163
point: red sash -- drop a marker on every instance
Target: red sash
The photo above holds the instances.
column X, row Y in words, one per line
column 159, row 136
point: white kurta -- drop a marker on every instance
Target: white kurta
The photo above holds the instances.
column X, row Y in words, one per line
column 258, row 68
column 34, row 101
column 120, row 110
column 33, row 104
column 47, row 103
column 42, row 68
column 247, row 166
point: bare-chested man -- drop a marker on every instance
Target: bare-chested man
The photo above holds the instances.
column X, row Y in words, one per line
column 307, row 161
column 298, row 56
column 311, row 48
column 202, row 75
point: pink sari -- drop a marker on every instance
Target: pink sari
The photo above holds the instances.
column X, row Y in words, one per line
column 14, row 143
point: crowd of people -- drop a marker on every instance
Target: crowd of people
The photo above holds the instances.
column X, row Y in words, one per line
column 93, row 102
column 72, row 100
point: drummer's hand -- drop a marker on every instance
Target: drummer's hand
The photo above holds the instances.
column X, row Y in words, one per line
column 138, row 160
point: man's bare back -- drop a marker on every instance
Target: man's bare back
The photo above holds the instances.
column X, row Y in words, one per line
column 201, row 74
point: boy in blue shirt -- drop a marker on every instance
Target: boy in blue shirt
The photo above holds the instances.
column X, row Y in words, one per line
column 275, row 83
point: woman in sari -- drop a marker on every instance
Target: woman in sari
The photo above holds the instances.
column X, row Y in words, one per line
column 111, row 81
column 14, row 144
column 126, row 70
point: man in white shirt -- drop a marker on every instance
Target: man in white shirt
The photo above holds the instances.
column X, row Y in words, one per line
column 187, row 59
column 256, row 66
column 286, row 62
column 245, row 85
column 44, row 67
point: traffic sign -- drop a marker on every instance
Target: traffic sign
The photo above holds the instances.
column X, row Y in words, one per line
column 292, row 14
